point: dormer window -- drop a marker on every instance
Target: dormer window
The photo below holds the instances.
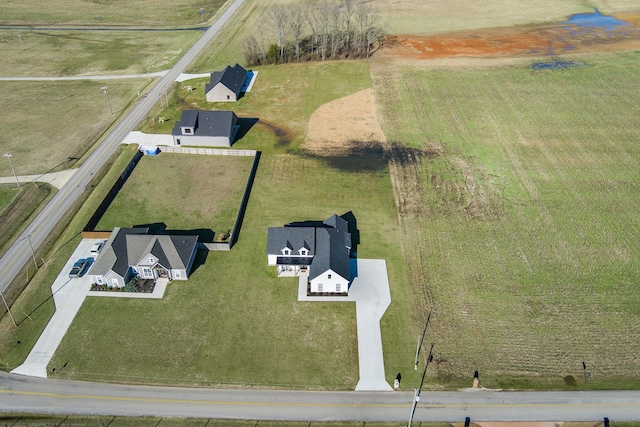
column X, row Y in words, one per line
column 286, row 251
column 304, row 252
column 187, row 130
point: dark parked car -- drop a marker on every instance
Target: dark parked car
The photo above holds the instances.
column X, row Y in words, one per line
column 78, row 268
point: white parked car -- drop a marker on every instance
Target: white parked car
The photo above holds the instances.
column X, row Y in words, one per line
column 97, row 247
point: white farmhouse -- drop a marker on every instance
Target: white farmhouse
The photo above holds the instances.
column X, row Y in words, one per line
column 320, row 251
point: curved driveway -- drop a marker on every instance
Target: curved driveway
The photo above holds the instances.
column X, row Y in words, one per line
column 17, row 256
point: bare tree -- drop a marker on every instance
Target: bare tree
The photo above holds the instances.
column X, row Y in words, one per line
column 278, row 17
column 334, row 27
column 320, row 16
column 297, row 22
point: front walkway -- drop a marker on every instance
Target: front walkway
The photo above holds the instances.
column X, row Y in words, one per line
column 68, row 296
column 370, row 292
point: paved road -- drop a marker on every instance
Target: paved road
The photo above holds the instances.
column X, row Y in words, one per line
column 19, row 253
column 36, row 395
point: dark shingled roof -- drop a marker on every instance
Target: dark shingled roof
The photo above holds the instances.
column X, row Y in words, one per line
column 207, row 123
column 329, row 242
column 128, row 246
column 231, row 77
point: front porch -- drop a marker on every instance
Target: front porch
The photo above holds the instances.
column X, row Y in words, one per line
column 292, row 270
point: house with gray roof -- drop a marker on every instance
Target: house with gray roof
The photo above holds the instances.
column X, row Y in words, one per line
column 205, row 128
column 317, row 250
column 133, row 252
column 226, row 85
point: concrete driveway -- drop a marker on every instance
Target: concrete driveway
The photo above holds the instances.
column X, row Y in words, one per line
column 68, row 296
column 370, row 292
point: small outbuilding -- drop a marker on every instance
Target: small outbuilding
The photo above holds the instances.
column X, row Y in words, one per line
column 205, row 128
column 226, row 85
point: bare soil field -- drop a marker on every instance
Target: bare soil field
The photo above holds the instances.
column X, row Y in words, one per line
column 529, row 40
column 356, row 126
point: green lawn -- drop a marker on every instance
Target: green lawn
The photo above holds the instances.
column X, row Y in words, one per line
column 142, row 13
column 70, row 53
column 183, row 191
column 17, row 206
column 233, row 321
column 283, row 99
column 49, row 125
column 519, row 218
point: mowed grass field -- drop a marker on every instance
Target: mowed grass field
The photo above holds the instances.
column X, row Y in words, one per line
column 519, row 213
column 183, row 191
column 72, row 53
column 47, row 123
column 144, row 13
column 233, row 321
column 282, row 99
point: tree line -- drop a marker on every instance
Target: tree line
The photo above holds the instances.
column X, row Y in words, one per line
column 325, row 29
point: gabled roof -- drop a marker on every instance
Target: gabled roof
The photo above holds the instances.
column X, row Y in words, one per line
column 128, row 246
column 231, row 77
column 294, row 238
column 329, row 242
column 207, row 123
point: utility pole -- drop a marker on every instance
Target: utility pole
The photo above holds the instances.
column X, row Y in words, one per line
column 8, row 156
column 104, row 89
column 33, row 255
column 8, row 310
column 202, row 14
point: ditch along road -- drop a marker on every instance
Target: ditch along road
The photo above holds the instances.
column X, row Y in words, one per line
column 36, row 395
column 20, row 252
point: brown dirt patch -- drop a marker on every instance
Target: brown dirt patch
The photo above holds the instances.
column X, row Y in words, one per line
column 553, row 39
column 341, row 126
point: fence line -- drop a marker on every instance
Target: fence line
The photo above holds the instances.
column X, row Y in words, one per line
column 209, row 151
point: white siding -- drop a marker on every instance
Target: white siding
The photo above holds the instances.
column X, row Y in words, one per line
column 272, row 259
column 329, row 279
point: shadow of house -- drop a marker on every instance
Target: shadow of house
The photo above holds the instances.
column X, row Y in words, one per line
column 352, row 224
column 205, row 235
column 244, row 126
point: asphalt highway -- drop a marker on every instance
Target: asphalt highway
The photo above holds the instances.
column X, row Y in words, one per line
column 20, row 253
column 37, row 395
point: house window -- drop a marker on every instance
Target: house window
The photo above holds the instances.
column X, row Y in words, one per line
column 114, row 282
column 228, row 97
column 152, row 259
column 286, row 251
column 176, row 274
column 328, row 276
column 320, row 287
column 178, row 141
column 338, row 288
column 146, row 272
column 304, row 252
column 187, row 131
column 99, row 280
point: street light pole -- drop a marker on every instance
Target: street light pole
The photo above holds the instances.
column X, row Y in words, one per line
column 8, row 156
column 104, row 89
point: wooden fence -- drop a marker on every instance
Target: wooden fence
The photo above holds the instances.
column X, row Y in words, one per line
column 209, row 151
